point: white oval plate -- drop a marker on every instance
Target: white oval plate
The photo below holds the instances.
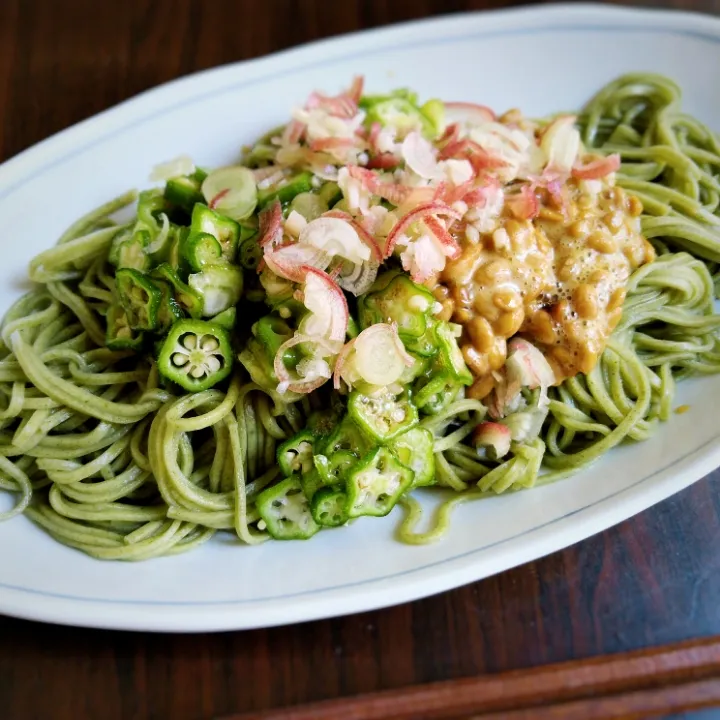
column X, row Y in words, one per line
column 544, row 59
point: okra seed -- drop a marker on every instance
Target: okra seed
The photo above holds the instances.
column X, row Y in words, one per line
column 179, row 358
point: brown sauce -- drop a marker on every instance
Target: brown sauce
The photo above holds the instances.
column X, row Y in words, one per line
column 558, row 280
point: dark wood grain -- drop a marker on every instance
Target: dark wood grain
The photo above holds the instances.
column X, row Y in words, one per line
column 652, row 580
column 645, row 683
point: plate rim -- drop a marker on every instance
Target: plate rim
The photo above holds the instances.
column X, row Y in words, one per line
column 422, row 581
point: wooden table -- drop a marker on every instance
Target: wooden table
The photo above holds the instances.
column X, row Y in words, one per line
column 653, row 580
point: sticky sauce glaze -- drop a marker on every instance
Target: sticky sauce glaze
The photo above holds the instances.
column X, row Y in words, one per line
column 558, row 280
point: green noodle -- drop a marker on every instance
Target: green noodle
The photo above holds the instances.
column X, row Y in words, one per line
column 107, row 460
column 106, row 455
column 669, row 329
